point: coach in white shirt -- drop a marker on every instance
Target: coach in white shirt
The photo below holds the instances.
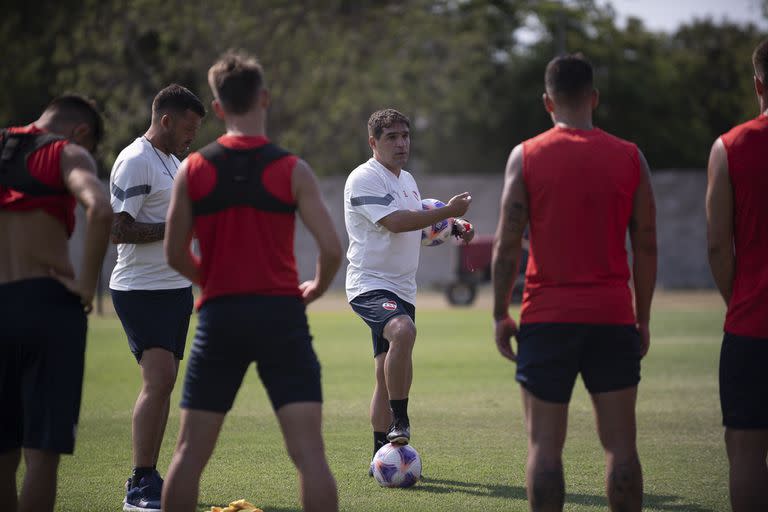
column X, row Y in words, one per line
column 384, row 218
column 153, row 301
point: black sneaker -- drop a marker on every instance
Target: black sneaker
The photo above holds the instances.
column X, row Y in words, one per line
column 399, row 432
column 144, row 497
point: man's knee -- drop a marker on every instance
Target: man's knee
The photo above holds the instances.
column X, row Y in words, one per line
column 160, row 383
column 158, row 371
column 623, row 453
column 401, row 331
column 306, row 455
column 746, row 446
column 41, row 460
column 546, row 458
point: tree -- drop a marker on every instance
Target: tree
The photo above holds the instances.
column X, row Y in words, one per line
column 457, row 68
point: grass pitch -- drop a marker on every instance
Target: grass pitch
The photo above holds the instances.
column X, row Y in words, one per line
column 465, row 411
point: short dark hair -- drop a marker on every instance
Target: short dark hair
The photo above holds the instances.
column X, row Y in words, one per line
column 78, row 109
column 384, row 119
column 568, row 78
column 235, row 79
column 760, row 60
column 177, row 98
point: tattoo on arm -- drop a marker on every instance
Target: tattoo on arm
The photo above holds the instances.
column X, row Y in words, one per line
column 125, row 230
column 515, row 215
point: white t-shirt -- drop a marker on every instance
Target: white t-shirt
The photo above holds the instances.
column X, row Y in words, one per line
column 140, row 185
column 378, row 258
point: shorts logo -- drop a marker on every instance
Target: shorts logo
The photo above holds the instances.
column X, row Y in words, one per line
column 389, row 305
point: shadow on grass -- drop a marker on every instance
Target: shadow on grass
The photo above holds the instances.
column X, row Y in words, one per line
column 441, row 486
column 671, row 503
column 665, row 503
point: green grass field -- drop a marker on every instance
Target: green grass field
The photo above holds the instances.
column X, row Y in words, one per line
column 466, row 417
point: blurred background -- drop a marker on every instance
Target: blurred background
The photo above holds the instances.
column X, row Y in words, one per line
column 469, row 73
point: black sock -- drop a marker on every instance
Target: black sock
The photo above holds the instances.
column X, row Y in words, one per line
column 139, row 473
column 379, row 440
column 400, row 409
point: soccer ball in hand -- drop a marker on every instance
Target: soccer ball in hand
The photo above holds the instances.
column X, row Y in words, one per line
column 438, row 233
column 396, row 465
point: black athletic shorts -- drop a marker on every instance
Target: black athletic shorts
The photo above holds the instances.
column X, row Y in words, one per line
column 376, row 308
column 42, row 353
column 550, row 355
column 155, row 318
column 234, row 331
column 744, row 382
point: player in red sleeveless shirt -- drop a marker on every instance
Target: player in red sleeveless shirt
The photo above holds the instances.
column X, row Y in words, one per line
column 580, row 190
column 737, row 230
column 45, row 168
column 240, row 195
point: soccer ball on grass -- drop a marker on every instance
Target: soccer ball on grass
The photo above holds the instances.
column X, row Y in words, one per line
column 396, row 465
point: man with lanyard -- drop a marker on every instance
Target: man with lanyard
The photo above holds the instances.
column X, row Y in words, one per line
column 153, row 301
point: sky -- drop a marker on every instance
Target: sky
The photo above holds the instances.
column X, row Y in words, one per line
column 667, row 15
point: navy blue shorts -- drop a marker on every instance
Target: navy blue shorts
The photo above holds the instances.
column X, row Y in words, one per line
column 155, row 318
column 550, row 355
column 376, row 308
column 234, row 331
column 743, row 382
column 42, row 354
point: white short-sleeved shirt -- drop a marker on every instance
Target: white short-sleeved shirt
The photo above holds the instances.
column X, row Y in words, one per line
column 140, row 185
column 378, row 258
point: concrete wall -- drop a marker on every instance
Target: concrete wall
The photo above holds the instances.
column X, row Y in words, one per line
column 680, row 219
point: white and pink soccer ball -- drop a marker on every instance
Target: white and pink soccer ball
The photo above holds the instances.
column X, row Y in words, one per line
column 435, row 234
column 396, row 465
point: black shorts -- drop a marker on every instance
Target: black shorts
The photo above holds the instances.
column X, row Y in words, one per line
column 155, row 318
column 376, row 308
column 550, row 355
column 234, row 331
column 42, row 353
column 743, row 382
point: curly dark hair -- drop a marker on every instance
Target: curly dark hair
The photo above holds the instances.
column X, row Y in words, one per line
column 384, row 119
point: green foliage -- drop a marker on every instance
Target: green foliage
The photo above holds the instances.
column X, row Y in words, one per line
column 458, row 69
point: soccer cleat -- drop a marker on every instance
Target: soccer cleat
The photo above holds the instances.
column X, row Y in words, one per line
column 144, row 497
column 399, row 432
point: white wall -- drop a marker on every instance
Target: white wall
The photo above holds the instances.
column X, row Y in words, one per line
column 680, row 220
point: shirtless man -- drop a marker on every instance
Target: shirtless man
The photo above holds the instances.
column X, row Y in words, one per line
column 45, row 168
